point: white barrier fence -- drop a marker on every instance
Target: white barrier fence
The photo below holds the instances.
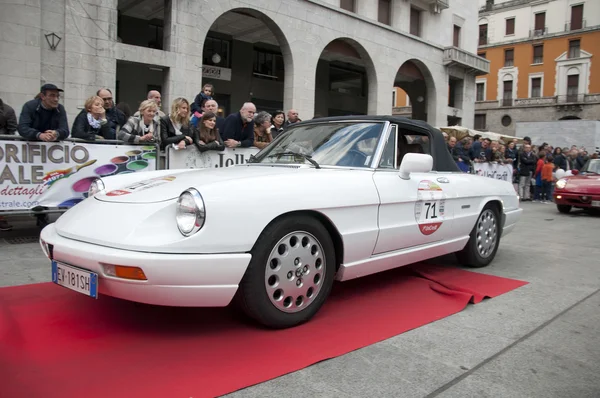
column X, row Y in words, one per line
column 499, row 171
column 192, row 158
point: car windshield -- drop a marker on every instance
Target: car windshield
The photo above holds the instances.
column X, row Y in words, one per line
column 347, row 144
column 592, row 166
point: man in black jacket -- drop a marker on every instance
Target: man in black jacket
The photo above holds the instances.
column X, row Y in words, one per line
column 527, row 163
column 8, row 119
column 238, row 129
column 44, row 119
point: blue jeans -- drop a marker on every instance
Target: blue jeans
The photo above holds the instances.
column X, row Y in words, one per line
column 546, row 190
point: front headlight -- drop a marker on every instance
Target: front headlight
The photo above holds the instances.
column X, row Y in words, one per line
column 561, row 184
column 96, row 186
column 190, row 214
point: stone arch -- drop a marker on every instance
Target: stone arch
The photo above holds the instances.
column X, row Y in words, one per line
column 507, row 77
column 414, row 77
column 220, row 20
column 344, row 52
column 573, row 71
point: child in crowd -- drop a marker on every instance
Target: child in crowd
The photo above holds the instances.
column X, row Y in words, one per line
column 206, row 94
column 547, row 179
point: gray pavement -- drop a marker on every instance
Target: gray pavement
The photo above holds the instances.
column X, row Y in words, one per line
column 540, row 340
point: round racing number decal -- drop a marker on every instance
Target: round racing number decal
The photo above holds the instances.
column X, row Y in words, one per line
column 430, row 207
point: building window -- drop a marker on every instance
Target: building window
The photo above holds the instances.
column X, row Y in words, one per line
column 482, row 54
column 507, row 94
column 456, row 38
column 574, row 49
column 384, row 14
column 268, row 65
column 572, row 88
column 347, row 5
column 536, row 87
column 576, row 17
column 480, row 92
column 483, row 34
column 510, row 26
column 509, row 57
column 347, row 81
column 216, row 52
column 538, row 54
column 480, row 122
column 540, row 24
column 415, row 22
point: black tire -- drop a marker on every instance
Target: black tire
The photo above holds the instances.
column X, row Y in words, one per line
column 565, row 209
column 470, row 255
column 253, row 295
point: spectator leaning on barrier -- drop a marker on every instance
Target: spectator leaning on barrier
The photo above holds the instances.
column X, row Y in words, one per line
column 238, row 129
column 44, row 118
column 142, row 128
column 277, row 123
column 175, row 127
column 262, row 130
column 8, row 119
column 209, row 106
column 116, row 118
column 91, row 122
column 207, row 136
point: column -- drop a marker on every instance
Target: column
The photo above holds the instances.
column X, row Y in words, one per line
column 300, row 78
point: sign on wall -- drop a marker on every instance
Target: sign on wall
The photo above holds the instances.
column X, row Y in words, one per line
column 192, row 158
column 215, row 72
column 59, row 174
column 498, row 171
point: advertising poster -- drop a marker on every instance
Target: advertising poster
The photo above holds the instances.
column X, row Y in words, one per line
column 498, row 171
column 59, row 174
column 192, row 158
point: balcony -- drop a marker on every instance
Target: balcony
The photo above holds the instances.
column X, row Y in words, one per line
column 568, row 99
column 454, row 56
column 569, row 27
column 437, row 6
column 538, row 32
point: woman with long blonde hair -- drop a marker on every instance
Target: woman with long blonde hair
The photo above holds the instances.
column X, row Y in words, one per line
column 175, row 127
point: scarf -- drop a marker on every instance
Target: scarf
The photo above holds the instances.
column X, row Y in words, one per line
column 93, row 122
column 146, row 129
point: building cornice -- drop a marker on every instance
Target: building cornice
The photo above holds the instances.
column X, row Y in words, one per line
column 539, row 39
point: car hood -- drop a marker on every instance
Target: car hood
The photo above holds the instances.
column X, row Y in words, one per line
column 584, row 183
column 163, row 187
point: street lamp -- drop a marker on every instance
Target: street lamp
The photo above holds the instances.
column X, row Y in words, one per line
column 53, row 39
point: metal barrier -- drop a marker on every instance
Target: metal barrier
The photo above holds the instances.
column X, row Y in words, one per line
column 192, row 158
column 50, row 177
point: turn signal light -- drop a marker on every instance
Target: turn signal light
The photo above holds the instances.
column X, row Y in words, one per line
column 558, row 196
column 121, row 271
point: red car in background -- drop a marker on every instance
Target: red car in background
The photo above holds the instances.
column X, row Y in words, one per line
column 579, row 190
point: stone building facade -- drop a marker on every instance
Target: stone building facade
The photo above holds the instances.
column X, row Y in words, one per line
column 76, row 45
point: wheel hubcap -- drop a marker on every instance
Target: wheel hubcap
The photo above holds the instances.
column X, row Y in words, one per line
column 487, row 233
column 295, row 271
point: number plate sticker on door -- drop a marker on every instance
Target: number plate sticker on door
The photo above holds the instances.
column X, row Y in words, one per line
column 430, row 207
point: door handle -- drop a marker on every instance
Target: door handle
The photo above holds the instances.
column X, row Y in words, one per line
column 443, row 180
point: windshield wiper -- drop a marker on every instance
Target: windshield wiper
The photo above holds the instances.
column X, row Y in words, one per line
column 290, row 153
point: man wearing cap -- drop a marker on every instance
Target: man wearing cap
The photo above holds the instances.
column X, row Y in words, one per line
column 44, row 119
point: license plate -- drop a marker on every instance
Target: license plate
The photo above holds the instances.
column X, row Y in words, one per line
column 77, row 279
column 595, row 203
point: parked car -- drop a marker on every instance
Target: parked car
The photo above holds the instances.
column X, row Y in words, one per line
column 579, row 189
column 330, row 199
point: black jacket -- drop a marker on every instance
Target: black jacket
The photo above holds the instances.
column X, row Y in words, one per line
column 527, row 163
column 82, row 128
column 560, row 161
column 30, row 123
column 233, row 128
column 8, row 119
column 115, row 118
column 168, row 135
column 209, row 146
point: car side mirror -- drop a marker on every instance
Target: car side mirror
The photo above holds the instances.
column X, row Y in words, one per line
column 415, row 163
column 574, row 172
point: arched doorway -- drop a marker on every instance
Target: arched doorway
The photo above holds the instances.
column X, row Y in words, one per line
column 345, row 79
column 260, row 67
column 414, row 91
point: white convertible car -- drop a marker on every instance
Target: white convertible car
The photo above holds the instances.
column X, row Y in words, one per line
column 330, row 199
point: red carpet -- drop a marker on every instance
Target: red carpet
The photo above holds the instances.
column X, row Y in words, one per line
column 57, row 343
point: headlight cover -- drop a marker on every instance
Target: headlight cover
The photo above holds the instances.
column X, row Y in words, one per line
column 562, row 183
column 95, row 187
column 190, row 212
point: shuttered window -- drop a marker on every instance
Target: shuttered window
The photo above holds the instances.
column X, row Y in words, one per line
column 456, row 39
column 540, row 21
column 577, row 17
column 347, row 5
column 510, row 26
column 483, row 33
column 538, row 54
column 509, row 57
column 536, row 87
column 574, row 49
column 415, row 22
column 572, row 88
column 384, row 12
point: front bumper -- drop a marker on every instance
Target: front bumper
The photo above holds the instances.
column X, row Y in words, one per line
column 181, row 280
column 575, row 199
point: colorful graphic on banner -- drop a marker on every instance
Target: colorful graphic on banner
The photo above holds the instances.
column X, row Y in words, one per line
column 59, row 174
column 430, row 207
column 498, row 171
column 192, row 158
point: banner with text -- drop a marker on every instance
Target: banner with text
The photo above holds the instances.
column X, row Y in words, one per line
column 192, row 158
column 59, row 174
column 498, row 171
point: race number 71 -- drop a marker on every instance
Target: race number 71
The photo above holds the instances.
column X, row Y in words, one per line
column 431, row 210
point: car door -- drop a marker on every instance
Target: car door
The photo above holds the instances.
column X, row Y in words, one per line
column 415, row 211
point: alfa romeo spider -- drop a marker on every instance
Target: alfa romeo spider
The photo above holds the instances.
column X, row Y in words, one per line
column 580, row 190
column 327, row 201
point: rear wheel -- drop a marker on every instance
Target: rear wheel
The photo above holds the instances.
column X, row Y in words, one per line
column 563, row 208
column 483, row 241
column 291, row 273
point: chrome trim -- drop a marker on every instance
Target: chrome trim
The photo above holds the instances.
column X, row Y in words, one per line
column 200, row 214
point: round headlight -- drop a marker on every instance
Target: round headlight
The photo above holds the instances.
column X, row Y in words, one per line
column 96, row 186
column 190, row 212
column 561, row 184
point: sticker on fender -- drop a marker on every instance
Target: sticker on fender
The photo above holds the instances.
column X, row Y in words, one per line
column 430, row 207
column 142, row 185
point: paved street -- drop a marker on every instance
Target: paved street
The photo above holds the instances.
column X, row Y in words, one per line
column 540, row 340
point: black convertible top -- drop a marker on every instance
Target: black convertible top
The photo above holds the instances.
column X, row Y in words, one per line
column 442, row 160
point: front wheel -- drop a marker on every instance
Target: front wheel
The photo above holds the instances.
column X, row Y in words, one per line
column 291, row 273
column 563, row 208
column 484, row 240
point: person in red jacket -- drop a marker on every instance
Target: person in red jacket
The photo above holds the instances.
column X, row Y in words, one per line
column 547, row 179
column 538, row 176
